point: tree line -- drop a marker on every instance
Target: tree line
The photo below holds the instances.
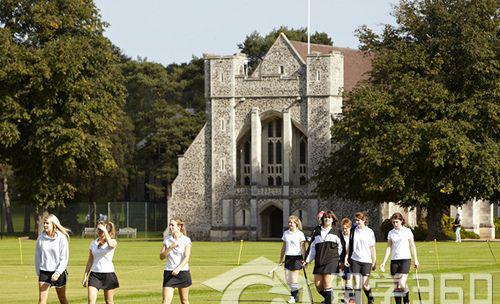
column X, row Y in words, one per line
column 80, row 121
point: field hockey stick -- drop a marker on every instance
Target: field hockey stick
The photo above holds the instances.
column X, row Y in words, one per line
column 418, row 286
column 307, row 284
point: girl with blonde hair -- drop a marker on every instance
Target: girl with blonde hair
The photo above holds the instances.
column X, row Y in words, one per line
column 100, row 271
column 177, row 250
column 51, row 259
column 293, row 250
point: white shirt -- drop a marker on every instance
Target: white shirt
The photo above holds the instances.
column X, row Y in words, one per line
column 51, row 253
column 400, row 243
column 103, row 257
column 177, row 254
column 293, row 241
column 363, row 240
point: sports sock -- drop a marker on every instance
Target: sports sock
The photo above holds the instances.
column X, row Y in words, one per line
column 406, row 297
column 369, row 295
column 328, row 295
column 358, row 297
column 294, row 291
column 397, row 296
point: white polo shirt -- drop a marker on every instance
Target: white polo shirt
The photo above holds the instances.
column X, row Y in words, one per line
column 103, row 257
column 177, row 254
column 363, row 240
column 293, row 241
column 400, row 243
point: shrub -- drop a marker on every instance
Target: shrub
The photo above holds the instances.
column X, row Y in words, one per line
column 386, row 227
column 465, row 234
column 421, row 231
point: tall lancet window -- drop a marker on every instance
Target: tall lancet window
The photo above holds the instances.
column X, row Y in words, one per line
column 243, row 162
column 303, row 161
column 274, row 152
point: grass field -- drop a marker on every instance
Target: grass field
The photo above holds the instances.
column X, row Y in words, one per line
column 140, row 271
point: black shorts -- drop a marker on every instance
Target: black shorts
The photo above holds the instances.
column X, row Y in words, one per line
column 103, row 280
column 330, row 268
column 400, row 266
column 364, row 269
column 45, row 276
column 181, row 280
column 293, row 262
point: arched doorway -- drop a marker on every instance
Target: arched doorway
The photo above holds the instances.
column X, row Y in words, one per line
column 271, row 220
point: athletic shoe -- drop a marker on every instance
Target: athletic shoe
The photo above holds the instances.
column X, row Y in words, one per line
column 291, row 300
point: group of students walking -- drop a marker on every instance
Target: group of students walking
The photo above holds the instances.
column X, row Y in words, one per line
column 52, row 255
column 349, row 252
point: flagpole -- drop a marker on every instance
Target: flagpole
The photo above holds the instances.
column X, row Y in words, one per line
column 308, row 27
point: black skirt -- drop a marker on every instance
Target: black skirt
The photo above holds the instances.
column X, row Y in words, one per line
column 103, row 280
column 181, row 280
column 45, row 277
column 330, row 268
column 293, row 262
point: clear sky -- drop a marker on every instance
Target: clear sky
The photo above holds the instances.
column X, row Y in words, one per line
column 168, row 31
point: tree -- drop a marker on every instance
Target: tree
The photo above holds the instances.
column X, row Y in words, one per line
column 255, row 46
column 424, row 130
column 170, row 129
column 186, row 85
column 67, row 94
column 5, row 173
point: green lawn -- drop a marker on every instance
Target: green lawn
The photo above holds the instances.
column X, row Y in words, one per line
column 140, row 270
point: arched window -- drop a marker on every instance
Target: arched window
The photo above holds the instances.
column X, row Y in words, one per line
column 274, row 152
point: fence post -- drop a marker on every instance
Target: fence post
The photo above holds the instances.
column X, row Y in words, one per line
column 128, row 215
column 1, row 221
column 95, row 213
column 146, row 218
column 109, row 212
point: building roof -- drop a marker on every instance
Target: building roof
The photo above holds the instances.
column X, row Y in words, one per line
column 357, row 64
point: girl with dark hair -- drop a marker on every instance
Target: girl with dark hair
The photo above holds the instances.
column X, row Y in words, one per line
column 400, row 242
column 362, row 256
column 51, row 259
column 100, row 264
column 292, row 251
column 326, row 248
column 177, row 249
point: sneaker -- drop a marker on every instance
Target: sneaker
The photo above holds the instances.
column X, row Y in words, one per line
column 291, row 300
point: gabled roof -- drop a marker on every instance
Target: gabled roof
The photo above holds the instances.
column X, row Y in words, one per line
column 301, row 48
column 357, row 64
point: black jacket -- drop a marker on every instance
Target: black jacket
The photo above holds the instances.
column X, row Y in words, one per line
column 328, row 250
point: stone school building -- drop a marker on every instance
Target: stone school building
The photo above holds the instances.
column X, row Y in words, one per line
column 249, row 167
